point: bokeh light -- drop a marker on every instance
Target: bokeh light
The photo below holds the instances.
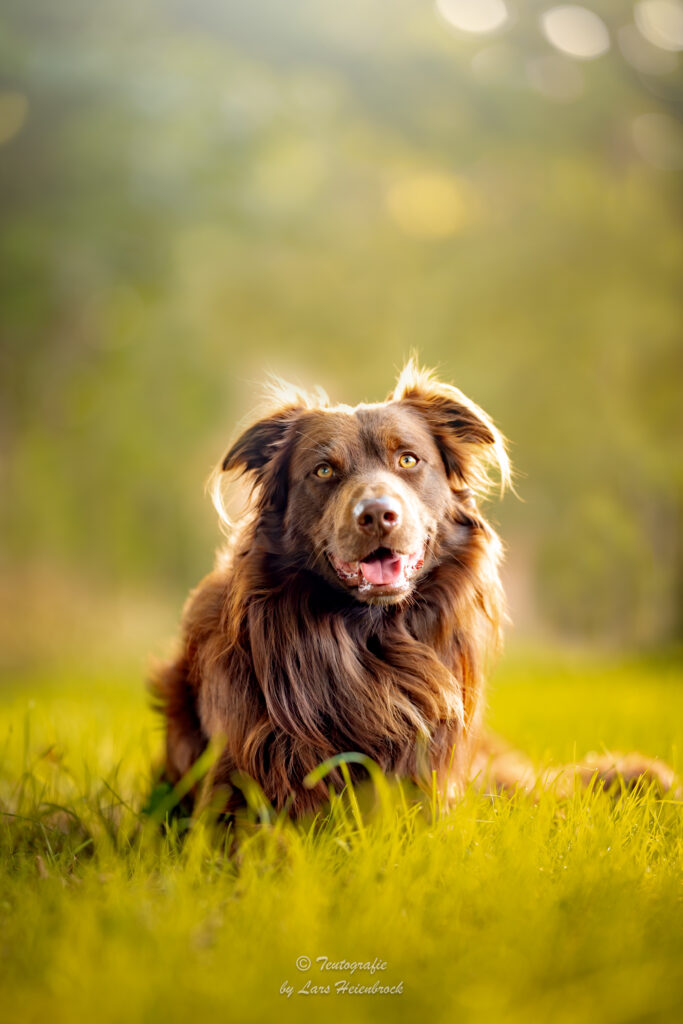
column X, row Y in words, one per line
column 576, row 31
column 661, row 21
column 478, row 16
column 430, row 206
column 643, row 55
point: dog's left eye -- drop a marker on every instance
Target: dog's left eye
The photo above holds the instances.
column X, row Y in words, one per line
column 408, row 460
column 324, row 471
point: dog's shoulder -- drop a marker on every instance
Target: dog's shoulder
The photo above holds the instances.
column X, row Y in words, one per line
column 206, row 603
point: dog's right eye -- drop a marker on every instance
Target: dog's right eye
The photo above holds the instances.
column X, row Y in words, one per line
column 324, row 471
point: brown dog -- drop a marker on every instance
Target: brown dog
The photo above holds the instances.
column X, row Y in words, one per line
column 357, row 605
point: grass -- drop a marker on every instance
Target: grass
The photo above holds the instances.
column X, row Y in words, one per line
column 504, row 909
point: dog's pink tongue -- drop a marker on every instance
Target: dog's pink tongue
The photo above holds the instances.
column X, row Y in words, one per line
column 386, row 569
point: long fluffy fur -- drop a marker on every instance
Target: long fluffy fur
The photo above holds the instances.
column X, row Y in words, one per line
column 288, row 672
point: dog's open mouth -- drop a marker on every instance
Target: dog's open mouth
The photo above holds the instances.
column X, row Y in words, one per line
column 382, row 571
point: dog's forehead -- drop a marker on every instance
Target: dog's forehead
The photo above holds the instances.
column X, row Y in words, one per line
column 366, row 430
column 391, row 424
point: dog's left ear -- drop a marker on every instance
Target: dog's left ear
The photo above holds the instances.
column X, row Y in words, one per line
column 469, row 443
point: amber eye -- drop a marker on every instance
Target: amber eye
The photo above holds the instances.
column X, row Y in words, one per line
column 407, row 460
column 324, row 471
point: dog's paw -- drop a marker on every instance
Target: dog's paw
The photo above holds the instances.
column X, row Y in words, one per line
column 613, row 769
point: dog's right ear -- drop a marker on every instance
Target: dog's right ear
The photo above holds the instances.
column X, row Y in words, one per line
column 263, row 449
column 261, row 443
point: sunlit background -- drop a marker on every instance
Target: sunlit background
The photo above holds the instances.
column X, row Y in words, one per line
column 194, row 194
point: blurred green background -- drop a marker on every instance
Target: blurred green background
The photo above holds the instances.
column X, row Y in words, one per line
column 193, row 194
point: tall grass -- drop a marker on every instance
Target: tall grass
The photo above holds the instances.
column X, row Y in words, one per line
column 504, row 909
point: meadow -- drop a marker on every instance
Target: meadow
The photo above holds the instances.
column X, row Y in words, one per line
column 193, row 196
column 504, row 909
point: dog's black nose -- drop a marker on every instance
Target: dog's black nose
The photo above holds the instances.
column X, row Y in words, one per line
column 377, row 515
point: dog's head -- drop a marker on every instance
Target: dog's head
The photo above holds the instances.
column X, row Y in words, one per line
column 371, row 497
